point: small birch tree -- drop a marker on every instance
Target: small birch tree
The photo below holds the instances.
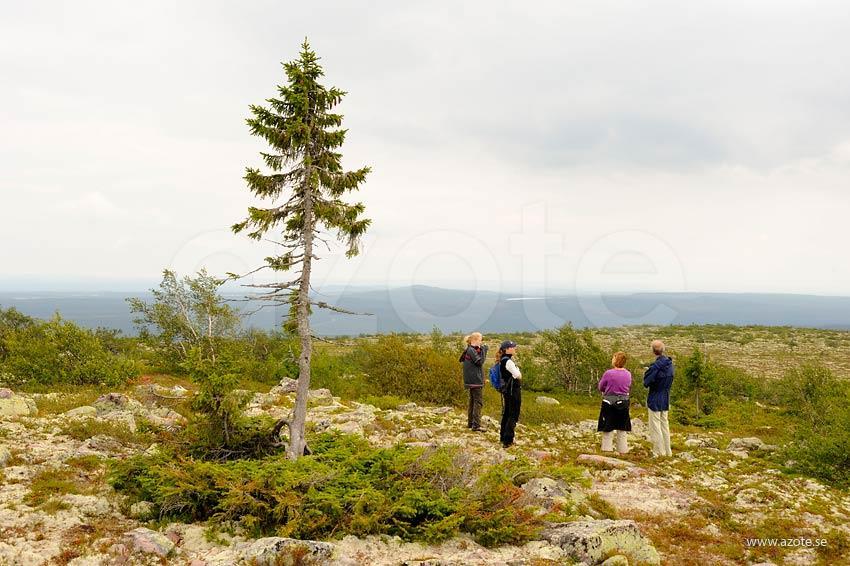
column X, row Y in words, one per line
column 304, row 186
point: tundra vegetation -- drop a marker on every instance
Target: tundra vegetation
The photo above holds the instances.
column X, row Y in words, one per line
column 227, row 468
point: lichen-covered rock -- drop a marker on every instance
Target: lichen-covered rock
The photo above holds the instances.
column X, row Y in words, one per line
column 88, row 505
column 420, row 434
column 699, row 441
column 278, row 551
column 543, row 400
column 111, row 401
column 348, row 427
column 82, row 412
column 606, row 462
column 591, row 541
column 12, row 405
column 147, row 541
column 616, row 560
column 319, row 394
column 638, row 427
column 548, row 492
column 748, row 444
column 286, row 385
column 5, row 456
column 142, row 510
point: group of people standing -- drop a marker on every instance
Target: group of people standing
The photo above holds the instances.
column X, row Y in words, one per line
column 511, row 384
column 615, row 386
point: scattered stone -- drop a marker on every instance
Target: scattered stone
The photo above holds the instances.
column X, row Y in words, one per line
column 179, row 391
column 287, row 385
column 489, row 421
column 543, row 400
column 111, row 401
column 712, row 530
column 82, row 412
column 316, row 394
column 616, row 560
column 591, row 541
column 540, row 455
column 638, row 426
column 545, row 488
column 103, row 443
column 272, row 551
column 12, row 405
column 320, row 396
column 425, row 445
column 746, row 444
column 606, row 462
column 550, row 492
column 126, row 420
column 143, row 510
column 441, row 410
column 408, row 407
column 697, row 441
column 147, row 541
column 348, row 427
column 420, row 434
column 740, row 453
column 749, row 498
column 802, row 557
column 88, row 505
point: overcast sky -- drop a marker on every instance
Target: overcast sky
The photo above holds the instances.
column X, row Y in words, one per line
column 632, row 145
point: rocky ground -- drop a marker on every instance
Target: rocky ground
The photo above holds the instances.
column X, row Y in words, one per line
column 694, row 508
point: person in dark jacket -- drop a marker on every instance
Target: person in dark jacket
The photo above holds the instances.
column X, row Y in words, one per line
column 511, row 392
column 659, row 378
column 473, row 377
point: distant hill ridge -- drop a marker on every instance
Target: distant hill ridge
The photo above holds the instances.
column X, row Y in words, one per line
column 420, row 308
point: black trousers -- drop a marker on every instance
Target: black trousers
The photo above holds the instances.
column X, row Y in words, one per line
column 476, row 401
column 511, row 401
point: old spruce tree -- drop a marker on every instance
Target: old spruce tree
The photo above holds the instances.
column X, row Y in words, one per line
column 303, row 190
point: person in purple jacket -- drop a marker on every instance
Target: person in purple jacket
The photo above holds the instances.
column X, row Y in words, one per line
column 614, row 414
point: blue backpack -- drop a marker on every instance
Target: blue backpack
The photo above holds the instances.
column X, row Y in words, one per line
column 496, row 376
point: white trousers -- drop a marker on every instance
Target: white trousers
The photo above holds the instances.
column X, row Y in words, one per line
column 608, row 441
column 659, row 433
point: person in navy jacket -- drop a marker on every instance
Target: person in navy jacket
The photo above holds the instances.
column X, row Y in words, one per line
column 658, row 378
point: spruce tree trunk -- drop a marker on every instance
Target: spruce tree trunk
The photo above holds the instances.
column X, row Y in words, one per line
column 297, row 442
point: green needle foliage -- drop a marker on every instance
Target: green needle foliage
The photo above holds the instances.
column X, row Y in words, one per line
column 344, row 487
column 305, row 186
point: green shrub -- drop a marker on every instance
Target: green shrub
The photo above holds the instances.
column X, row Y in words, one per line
column 264, row 357
column 344, row 487
column 821, row 446
column 218, row 428
column 11, row 321
column 60, row 352
column 810, row 393
column 822, row 450
column 395, row 366
column 567, row 358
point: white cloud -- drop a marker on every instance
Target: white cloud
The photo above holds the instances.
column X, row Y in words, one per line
column 721, row 128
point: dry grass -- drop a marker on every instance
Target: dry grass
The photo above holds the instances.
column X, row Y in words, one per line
column 759, row 350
